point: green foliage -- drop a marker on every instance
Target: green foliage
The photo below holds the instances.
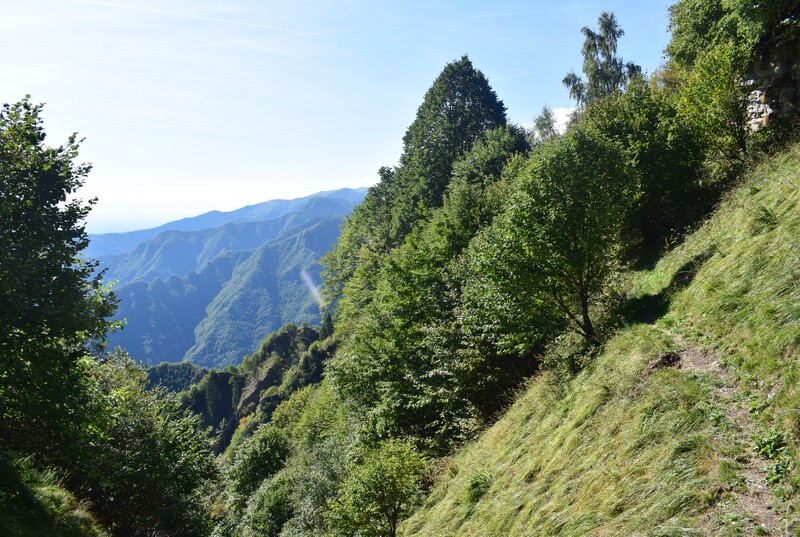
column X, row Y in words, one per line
column 152, row 473
column 700, row 26
column 257, row 459
column 380, row 490
column 770, row 446
column 174, row 377
column 282, row 346
column 401, row 352
column 294, row 501
column 605, row 72
column 715, row 99
column 214, row 398
column 714, row 44
column 53, row 309
column 666, row 153
column 326, row 329
column 561, row 236
column 133, row 455
column 234, row 402
column 695, row 27
column 457, row 110
column 270, row 508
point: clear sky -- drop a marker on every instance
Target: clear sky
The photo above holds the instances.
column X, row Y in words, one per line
column 192, row 105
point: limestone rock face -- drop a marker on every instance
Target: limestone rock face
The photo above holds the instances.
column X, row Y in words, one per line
column 776, row 79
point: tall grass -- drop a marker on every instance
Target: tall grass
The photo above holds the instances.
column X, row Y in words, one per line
column 614, row 452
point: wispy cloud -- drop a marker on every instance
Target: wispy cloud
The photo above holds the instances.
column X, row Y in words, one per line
column 516, row 75
column 143, row 52
column 189, row 16
column 526, row 12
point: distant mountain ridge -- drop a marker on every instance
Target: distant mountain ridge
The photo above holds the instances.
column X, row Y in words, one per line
column 103, row 244
column 180, row 252
column 211, row 295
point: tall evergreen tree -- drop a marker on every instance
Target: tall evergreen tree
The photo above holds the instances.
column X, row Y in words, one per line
column 457, row 110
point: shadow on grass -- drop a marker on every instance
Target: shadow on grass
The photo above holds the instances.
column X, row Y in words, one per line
column 648, row 309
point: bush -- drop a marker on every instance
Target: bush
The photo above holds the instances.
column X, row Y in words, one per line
column 260, row 457
column 381, row 489
column 269, row 508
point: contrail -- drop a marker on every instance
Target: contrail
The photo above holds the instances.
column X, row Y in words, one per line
column 311, row 287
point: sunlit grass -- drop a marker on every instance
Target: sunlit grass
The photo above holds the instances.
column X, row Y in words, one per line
column 610, row 453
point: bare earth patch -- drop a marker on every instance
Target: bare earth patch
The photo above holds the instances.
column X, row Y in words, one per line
column 749, row 507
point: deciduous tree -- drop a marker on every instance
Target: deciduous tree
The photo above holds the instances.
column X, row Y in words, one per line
column 605, row 71
column 381, row 489
column 562, row 232
column 53, row 308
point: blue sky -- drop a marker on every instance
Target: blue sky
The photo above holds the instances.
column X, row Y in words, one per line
column 192, row 105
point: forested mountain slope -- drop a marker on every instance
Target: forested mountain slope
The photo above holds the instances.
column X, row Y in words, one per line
column 526, row 332
column 105, row 244
column 686, row 419
column 218, row 314
column 211, row 295
column 180, row 252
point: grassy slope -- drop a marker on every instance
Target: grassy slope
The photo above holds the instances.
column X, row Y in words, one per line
column 35, row 504
column 617, row 450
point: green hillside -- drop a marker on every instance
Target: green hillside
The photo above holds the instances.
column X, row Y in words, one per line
column 102, row 245
column 687, row 423
column 217, row 315
column 587, row 331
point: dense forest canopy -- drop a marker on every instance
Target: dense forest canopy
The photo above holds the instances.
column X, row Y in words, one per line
column 490, row 255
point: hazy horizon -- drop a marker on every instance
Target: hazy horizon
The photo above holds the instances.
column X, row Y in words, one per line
column 187, row 107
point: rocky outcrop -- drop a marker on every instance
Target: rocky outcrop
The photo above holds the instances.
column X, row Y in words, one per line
column 775, row 77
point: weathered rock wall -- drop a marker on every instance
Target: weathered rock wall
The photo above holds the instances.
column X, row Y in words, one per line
column 776, row 79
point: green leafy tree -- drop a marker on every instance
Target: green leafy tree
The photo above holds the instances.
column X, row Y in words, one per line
column 258, row 458
column 326, row 330
column 380, row 490
column 53, row 308
column 561, row 237
column 320, row 426
column 605, row 72
column 699, row 26
column 666, row 152
column 270, row 507
column 714, row 46
column 152, row 473
column 456, row 111
column 715, row 98
column 544, row 125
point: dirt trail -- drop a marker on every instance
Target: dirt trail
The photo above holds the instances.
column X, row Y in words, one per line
column 748, row 507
